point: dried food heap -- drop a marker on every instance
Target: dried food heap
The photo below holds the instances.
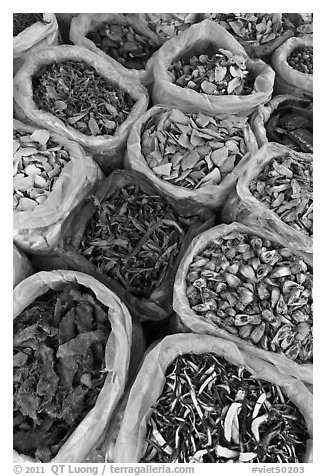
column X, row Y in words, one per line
column 75, row 93
column 301, row 59
column 38, row 162
column 59, row 368
column 256, row 290
column 211, row 411
column 192, row 150
column 22, row 21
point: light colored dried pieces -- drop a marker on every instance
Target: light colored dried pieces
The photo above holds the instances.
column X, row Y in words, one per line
column 192, row 150
column 37, row 163
column 285, row 186
column 255, row 290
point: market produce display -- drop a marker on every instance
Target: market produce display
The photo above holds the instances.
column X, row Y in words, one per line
column 223, row 415
column 163, row 201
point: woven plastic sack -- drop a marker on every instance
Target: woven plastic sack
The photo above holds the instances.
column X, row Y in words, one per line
column 204, row 38
column 158, row 305
column 150, row 381
column 243, row 207
column 37, row 36
column 287, row 79
column 22, row 267
column 186, row 320
column 106, row 150
column 264, row 112
column 117, row 357
column 38, row 230
column 212, row 196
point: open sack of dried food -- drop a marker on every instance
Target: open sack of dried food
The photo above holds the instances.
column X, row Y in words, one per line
column 246, row 284
column 31, row 32
column 21, row 266
column 259, row 33
column 276, row 191
column 51, row 176
column 293, row 65
column 76, row 93
column 205, row 69
column 201, row 399
column 131, row 237
column 124, row 40
column 72, row 350
column 190, row 156
column 286, row 120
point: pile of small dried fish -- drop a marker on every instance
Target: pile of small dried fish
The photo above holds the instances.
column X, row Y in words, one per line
column 285, row 186
column 255, row 27
column 292, row 125
column 21, row 21
column 220, row 74
column 75, row 93
column 59, row 349
column 37, row 166
column 255, row 290
column 124, row 44
column 135, row 238
column 211, row 411
column 192, row 150
column 301, row 59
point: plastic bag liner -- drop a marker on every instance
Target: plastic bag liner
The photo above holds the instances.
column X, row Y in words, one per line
column 186, row 320
column 86, row 22
column 38, row 35
column 212, row 196
column 21, row 266
column 67, row 256
column 207, row 37
column 107, row 150
column 117, row 357
column 287, row 79
column 150, row 381
column 38, row 230
column 264, row 112
column 243, row 207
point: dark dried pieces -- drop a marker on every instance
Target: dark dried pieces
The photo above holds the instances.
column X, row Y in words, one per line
column 301, row 59
column 21, row 21
column 285, row 186
column 124, row 44
column 211, row 411
column 134, row 238
column 59, row 349
column 292, row 125
column 75, row 93
column 258, row 291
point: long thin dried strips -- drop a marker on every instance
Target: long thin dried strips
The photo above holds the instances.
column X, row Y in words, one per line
column 255, row 290
column 285, row 186
column 192, row 150
column 124, row 44
column 37, row 164
column 75, row 93
column 257, row 28
column 134, row 238
column 21, row 21
column 59, row 349
column 211, row 411
column 222, row 73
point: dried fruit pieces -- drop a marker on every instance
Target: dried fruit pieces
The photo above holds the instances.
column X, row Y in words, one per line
column 124, row 44
column 192, row 150
column 21, row 21
column 75, row 93
column 301, row 59
column 59, row 349
column 256, row 290
column 167, row 25
column 285, row 186
column 222, row 73
column 135, row 238
column 211, row 411
column 37, row 163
